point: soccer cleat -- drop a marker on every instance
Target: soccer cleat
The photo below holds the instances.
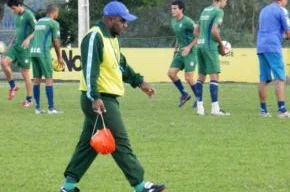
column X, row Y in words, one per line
column 265, row 114
column 27, row 103
column 74, row 190
column 284, row 115
column 150, row 187
column 39, row 111
column 54, row 111
column 220, row 113
column 200, row 108
column 12, row 92
column 183, row 99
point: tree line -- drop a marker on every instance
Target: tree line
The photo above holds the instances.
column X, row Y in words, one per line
column 152, row 28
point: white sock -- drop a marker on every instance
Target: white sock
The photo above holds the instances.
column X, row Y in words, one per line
column 215, row 107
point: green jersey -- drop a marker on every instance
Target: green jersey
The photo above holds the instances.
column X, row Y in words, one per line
column 46, row 30
column 210, row 16
column 183, row 30
column 25, row 23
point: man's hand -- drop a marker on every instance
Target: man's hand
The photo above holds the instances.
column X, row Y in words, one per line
column 222, row 50
column 185, row 51
column 98, row 106
column 25, row 43
column 61, row 62
column 148, row 89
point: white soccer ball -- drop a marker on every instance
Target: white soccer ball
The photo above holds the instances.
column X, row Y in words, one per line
column 2, row 47
column 228, row 46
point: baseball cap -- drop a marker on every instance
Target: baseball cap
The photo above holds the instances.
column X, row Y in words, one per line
column 116, row 8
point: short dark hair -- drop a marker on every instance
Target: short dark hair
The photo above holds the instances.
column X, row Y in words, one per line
column 11, row 3
column 180, row 4
column 51, row 8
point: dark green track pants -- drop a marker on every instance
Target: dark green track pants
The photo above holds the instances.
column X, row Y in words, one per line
column 84, row 154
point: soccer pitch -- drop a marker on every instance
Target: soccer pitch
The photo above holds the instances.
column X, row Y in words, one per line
column 237, row 153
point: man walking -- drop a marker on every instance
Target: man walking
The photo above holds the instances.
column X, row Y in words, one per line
column 185, row 54
column 104, row 70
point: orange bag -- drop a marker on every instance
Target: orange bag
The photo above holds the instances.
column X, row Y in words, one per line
column 103, row 141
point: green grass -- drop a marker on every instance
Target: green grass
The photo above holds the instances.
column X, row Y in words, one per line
column 242, row 152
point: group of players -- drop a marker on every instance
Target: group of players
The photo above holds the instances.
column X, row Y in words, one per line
column 197, row 44
column 32, row 44
column 200, row 44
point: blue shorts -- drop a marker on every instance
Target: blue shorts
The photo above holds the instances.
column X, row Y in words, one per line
column 271, row 63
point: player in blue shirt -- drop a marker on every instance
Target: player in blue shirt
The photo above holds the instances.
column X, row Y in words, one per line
column 274, row 23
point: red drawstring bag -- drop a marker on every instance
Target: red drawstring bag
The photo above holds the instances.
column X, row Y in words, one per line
column 103, row 141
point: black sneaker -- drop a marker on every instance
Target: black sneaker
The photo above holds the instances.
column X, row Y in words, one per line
column 150, row 187
column 183, row 99
column 74, row 190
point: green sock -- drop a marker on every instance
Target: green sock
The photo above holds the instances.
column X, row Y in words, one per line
column 140, row 187
column 69, row 183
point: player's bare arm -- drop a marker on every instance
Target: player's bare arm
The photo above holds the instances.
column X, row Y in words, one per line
column 217, row 37
column 56, row 45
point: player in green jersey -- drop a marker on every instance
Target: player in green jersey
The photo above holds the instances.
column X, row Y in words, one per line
column 18, row 51
column 209, row 47
column 185, row 54
column 46, row 34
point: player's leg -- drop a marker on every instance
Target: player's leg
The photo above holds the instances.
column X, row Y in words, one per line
column 277, row 65
column 124, row 155
column 6, row 62
column 28, row 84
column 84, row 154
column 177, row 65
column 49, row 90
column 23, row 58
column 265, row 78
column 190, row 62
column 213, row 69
column 200, row 81
column 37, row 74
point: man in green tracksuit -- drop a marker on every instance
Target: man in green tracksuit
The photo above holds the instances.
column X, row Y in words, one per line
column 104, row 70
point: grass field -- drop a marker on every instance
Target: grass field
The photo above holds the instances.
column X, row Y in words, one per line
column 241, row 152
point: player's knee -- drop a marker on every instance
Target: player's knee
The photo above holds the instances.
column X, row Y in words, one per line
column 189, row 79
column 4, row 63
column 171, row 74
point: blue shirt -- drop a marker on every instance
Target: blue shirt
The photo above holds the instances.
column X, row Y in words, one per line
column 273, row 23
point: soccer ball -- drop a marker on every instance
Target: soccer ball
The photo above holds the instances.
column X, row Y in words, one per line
column 57, row 67
column 2, row 47
column 228, row 46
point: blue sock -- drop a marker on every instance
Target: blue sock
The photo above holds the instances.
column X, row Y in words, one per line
column 29, row 98
column 281, row 106
column 193, row 88
column 49, row 95
column 140, row 187
column 214, row 89
column 180, row 87
column 12, row 84
column 199, row 90
column 69, row 183
column 36, row 95
column 263, row 107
